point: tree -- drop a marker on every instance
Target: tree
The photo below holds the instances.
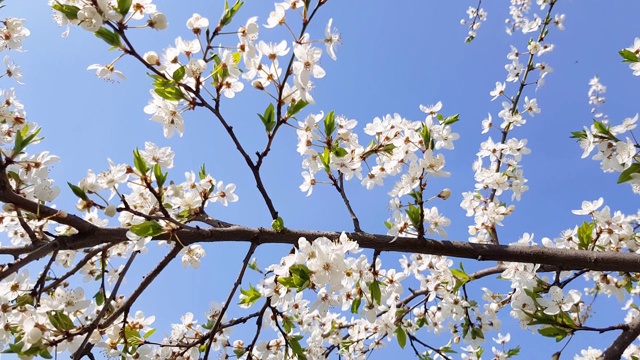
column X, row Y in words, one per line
column 327, row 293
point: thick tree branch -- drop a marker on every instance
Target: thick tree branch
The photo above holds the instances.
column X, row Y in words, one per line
column 622, row 342
column 555, row 259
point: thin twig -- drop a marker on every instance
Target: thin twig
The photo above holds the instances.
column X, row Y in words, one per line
column 214, row 329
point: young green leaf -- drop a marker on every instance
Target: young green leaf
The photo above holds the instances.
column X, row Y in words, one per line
column 374, row 289
column 77, row 191
column 278, row 224
column 172, row 93
column 60, row 320
column 451, row 119
column 109, row 37
column 229, row 13
column 147, row 228
column 585, row 235
column 330, row 123
column 628, row 56
column 627, row 174
column 160, row 176
column 268, row 118
column 202, row 173
column 179, row 73
column 139, row 162
column 554, row 332
column 339, row 152
column 355, row 305
column 296, row 107
column 401, row 335
column 123, row 7
column 69, row 11
column 251, row 295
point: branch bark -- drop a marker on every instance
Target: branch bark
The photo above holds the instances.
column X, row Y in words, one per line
column 554, row 259
column 622, row 342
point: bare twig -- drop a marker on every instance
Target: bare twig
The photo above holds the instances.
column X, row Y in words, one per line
column 214, row 329
column 83, row 348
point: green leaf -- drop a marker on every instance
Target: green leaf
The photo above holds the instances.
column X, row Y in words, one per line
column 513, row 352
column 179, row 73
column 296, row 348
column 287, row 324
column 628, row 56
column 296, row 108
column 160, row 176
column 251, row 295
column 476, row 333
column 585, row 235
column 109, row 37
column 388, row 149
column 426, row 136
column 149, row 333
column 413, row 212
column 99, row 296
column 60, row 320
column 339, row 152
column 171, row 93
column 416, row 195
column 45, row 354
column 253, row 265
column 132, row 336
column 278, row 224
column 300, row 278
column 77, row 191
column 402, row 337
column 553, row 332
column 578, row 134
column 23, row 139
column 374, row 289
column 25, row 299
column 626, row 174
column 147, row 228
column 355, row 305
column 123, row 7
column 451, row 119
column 202, row 173
column 239, row 352
column 69, row 11
column 461, row 277
column 228, row 14
column 139, row 162
column 269, row 118
column 329, row 123
column 325, row 158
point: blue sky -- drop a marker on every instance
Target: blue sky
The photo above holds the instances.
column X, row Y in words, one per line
column 395, row 56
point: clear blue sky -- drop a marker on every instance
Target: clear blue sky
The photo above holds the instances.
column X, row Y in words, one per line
column 395, row 56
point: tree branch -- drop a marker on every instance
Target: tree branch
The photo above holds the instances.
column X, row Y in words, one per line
column 622, row 342
column 555, row 259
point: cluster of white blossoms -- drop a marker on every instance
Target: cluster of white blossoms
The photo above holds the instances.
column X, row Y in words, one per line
column 615, row 152
column 27, row 173
column 400, row 147
column 343, row 281
column 325, row 297
column 182, row 70
column 476, row 15
column 498, row 168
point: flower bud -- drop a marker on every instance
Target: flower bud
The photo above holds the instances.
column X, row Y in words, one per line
column 152, row 58
column 444, row 194
column 158, row 21
column 110, row 211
